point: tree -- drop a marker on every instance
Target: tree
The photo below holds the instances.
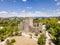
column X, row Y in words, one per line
column 58, row 40
column 53, row 27
column 41, row 40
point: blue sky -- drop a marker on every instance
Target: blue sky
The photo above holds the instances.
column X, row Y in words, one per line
column 21, row 8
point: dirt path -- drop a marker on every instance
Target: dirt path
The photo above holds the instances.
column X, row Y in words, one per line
column 21, row 40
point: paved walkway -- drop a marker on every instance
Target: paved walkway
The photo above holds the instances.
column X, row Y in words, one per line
column 48, row 39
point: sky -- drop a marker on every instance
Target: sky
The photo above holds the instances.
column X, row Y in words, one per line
column 29, row 8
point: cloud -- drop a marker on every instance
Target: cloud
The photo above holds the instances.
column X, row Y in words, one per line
column 8, row 14
column 13, row 13
column 1, row 0
column 55, row 0
column 23, row 11
column 29, row 7
column 24, row 0
column 14, row 0
column 58, row 3
column 58, row 12
column 34, row 14
column 3, row 12
column 28, row 14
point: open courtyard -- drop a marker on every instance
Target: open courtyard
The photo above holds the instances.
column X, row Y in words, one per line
column 22, row 40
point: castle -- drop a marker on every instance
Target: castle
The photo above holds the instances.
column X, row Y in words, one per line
column 29, row 26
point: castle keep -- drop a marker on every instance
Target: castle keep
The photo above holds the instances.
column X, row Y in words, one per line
column 29, row 26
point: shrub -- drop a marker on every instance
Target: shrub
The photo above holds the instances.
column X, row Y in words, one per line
column 8, row 42
column 13, row 41
column 2, row 38
column 36, row 33
column 20, row 33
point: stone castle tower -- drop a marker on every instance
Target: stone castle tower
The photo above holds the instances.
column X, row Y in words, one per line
column 29, row 26
column 27, row 23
